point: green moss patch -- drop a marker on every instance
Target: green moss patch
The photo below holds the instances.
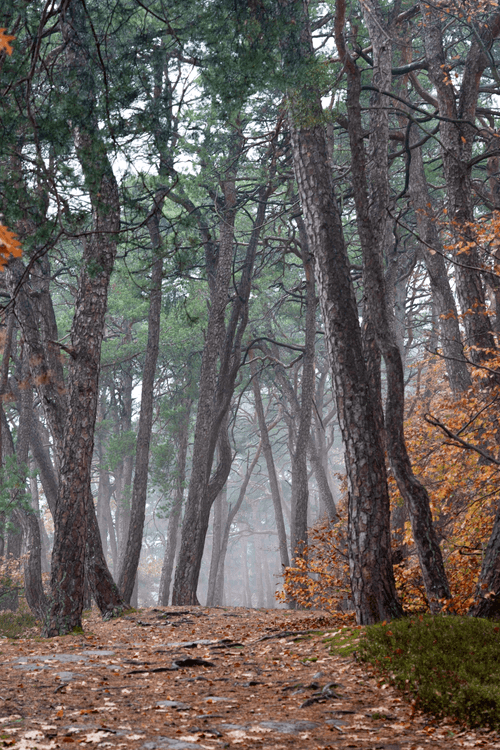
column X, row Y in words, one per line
column 450, row 665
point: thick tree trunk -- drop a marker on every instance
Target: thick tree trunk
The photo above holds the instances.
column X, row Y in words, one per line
column 75, row 511
column 372, row 578
column 371, row 195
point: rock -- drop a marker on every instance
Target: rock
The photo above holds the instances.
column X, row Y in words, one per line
column 167, row 742
column 289, row 727
column 178, row 705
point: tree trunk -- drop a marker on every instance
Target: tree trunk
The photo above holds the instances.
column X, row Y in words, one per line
column 456, row 133
column 216, row 383
column 487, row 597
column 432, row 252
column 271, row 469
column 175, row 512
column 372, row 577
column 75, row 511
column 218, row 585
column 219, row 524
column 139, row 492
column 372, row 218
column 300, row 488
column 33, row 586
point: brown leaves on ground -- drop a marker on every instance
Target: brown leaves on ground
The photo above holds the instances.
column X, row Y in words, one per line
column 206, row 678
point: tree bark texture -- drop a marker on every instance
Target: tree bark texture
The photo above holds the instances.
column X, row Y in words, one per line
column 371, row 195
column 75, row 511
column 372, row 579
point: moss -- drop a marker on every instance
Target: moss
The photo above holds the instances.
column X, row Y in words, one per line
column 449, row 665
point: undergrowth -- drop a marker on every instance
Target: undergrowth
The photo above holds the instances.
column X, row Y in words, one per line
column 449, row 664
column 16, row 624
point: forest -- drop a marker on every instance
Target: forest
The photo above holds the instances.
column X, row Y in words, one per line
column 250, row 306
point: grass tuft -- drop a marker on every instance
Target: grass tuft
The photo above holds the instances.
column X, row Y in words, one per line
column 450, row 665
column 16, row 624
column 343, row 642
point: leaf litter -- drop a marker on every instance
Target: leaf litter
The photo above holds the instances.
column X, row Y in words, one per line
column 259, row 679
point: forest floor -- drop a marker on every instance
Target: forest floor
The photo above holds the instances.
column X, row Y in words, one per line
column 187, row 678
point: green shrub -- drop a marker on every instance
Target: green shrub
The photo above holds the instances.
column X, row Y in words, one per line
column 451, row 665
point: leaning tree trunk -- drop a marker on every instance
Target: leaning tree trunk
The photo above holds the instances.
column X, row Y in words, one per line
column 372, row 578
column 75, row 511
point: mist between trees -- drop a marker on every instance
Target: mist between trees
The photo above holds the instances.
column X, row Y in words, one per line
column 254, row 325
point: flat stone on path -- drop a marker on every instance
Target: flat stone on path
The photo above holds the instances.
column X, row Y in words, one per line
column 31, row 663
column 289, row 727
column 178, row 705
column 167, row 742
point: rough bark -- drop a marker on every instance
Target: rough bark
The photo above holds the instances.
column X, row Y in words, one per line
column 219, row 523
column 487, row 596
column 372, row 200
column 372, row 579
column 75, row 514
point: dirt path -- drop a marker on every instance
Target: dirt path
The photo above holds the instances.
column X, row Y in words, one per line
column 250, row 682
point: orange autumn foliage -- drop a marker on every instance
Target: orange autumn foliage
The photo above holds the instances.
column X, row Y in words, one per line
column 9, row 244
column 464, row 487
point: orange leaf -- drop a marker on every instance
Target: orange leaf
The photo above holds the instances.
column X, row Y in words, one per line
column 4, row 41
